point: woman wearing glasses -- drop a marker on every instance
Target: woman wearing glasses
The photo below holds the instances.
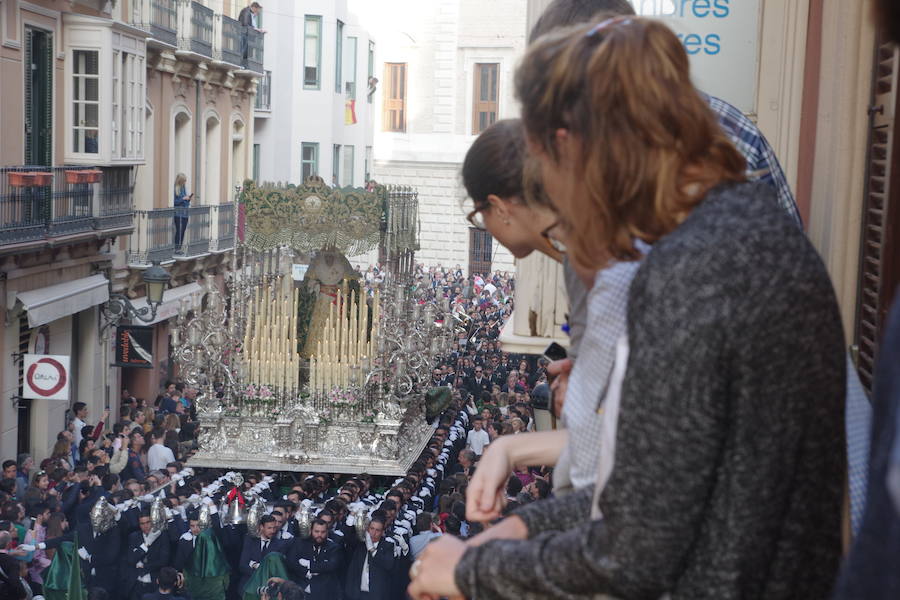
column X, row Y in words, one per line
column 721, row 459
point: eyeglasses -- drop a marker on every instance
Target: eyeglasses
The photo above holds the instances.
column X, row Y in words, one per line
column 476, row 219
column 553, row 243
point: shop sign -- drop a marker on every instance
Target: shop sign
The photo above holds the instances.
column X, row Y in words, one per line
column 46, row 377
column 134, row 346
column 721, row 38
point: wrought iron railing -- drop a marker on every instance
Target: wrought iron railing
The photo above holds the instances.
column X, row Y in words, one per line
column 154, row 236
column 223, row 215
column 228, row 40
column 254, row 59
column 72, row 207
column 196, row 237
column 24, row 210
column 264, row 92
column 38, row 202
column 195, row 27
column 116, row 198
column 159, row 17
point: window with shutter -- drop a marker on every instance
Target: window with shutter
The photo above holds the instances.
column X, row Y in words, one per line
column 486, row 98
column 394, row 109
column 879, row 271
column 23, row 414
column 480, row 251
column 38, row 96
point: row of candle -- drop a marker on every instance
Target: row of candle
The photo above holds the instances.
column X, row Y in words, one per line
column 345, row 345
column 270, row 339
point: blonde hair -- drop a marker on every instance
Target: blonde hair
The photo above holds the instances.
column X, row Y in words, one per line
column 650, row 148
column 180, row 180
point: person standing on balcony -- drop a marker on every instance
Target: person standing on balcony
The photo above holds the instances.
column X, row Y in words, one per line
column 249, row 18
column 182, row 206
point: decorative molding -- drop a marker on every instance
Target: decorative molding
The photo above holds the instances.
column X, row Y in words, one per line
column 44, row 12
column 842, row 129
column 782, row 62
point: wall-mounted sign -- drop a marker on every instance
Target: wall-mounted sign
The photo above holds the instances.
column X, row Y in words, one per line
column 721, row 38
column 134, row 346
column 46, row 377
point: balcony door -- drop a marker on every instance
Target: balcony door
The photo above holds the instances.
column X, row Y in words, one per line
column 38, row 96
column 480, row 251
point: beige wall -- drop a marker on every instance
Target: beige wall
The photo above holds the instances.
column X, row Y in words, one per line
column 165, row 95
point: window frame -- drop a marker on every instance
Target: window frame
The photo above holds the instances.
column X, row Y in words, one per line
column 389, row 102
column 483, row 107
column 350, row 79
column 348, row 168
column 336, row 165
column 79, row 84
column 314, row 161
column 318, row 20
column 338, row 56
column 371, row 70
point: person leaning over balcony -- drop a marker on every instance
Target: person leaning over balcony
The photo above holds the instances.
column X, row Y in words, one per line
column 249, row 18
column 182, row 204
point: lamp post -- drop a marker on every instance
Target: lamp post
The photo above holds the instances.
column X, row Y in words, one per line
column 120, row 307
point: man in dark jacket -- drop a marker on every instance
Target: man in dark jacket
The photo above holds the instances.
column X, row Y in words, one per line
column 315, row 563
column 369, row 575
column 256, row 548
column 147, row 553
column 167, row 583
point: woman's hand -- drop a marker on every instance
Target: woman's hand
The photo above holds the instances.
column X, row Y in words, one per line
column 559, row 370
column 486, row 494
column 432, row 573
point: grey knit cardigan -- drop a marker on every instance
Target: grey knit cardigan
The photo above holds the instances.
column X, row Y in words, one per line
column 730, row 446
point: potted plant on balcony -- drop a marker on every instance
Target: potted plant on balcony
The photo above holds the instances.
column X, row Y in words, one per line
column 20, row 178
column 42, row 178
column 83, row 175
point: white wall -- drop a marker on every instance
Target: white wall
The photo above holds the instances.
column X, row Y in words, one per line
column 300, row 115
column 441, row 42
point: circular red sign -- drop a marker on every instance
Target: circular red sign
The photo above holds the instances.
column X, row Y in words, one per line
column 59, row 384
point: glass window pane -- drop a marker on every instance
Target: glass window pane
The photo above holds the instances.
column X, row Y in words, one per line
column 77, row 137
column 76, row 87
column 92, row 89
column 91, row 114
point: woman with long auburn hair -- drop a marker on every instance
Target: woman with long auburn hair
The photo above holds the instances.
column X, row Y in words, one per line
column 722, row 458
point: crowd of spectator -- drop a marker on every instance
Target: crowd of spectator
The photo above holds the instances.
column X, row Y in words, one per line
column 138, row 459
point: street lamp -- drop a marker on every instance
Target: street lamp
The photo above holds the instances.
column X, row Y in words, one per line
column 119, row 306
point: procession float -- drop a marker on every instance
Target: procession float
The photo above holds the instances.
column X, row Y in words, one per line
column 314, row 373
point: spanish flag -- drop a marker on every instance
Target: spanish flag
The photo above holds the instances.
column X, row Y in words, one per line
column 350, row 112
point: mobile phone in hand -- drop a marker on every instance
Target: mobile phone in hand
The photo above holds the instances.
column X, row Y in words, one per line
column 555, row 352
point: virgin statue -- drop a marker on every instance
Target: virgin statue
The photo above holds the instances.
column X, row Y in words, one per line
column 327, row 272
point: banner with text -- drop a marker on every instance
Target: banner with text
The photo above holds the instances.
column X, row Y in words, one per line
column 722, row 39
column 134, row 346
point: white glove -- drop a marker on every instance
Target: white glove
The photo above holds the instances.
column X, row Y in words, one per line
column 254, row 564
column 304, row 562
column 351, row 521
column 424, row 494
column 26, row 547
column 139, row 565
column 309, row 574
column 152, row 537
column 83, row 553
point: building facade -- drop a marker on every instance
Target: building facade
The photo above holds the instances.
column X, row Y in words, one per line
column 102, row 104
column 445, row 73
column 314, row 112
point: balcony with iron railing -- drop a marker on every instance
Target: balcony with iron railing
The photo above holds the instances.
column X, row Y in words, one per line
column 264, row 93
column 41, row 204
column 227, row 40
column 154, row 237
column 158, row 17
column 222, row 237
column 196, row 25
column 253, row 60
